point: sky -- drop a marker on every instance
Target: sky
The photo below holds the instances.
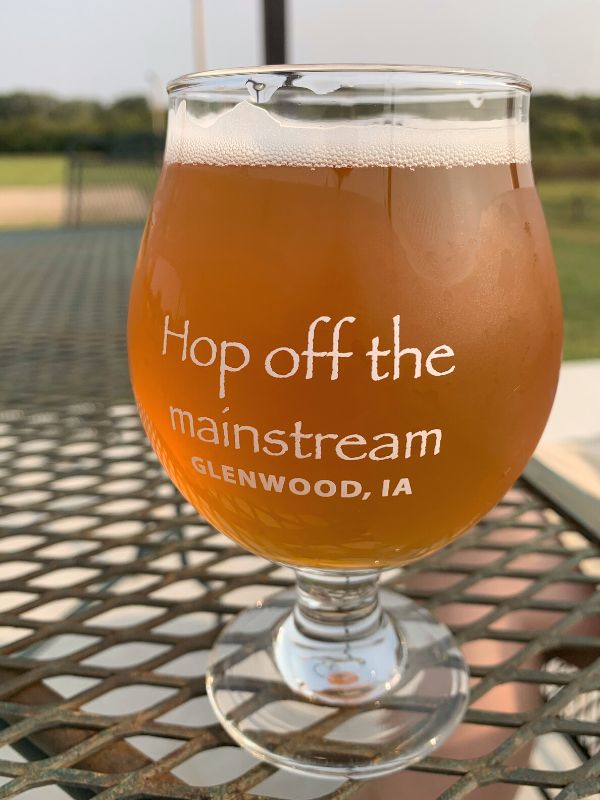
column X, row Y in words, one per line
column 111, row 48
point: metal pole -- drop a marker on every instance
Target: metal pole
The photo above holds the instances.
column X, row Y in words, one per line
column 198, row 39
column 274, row 25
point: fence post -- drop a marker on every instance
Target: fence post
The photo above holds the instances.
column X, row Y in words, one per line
column 70, row 186
column 74, row 189
column 78, row 191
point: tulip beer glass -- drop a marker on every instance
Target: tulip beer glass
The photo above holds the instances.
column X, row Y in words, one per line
column 344, row 341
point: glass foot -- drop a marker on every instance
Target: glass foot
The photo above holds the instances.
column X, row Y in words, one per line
column 356, row 708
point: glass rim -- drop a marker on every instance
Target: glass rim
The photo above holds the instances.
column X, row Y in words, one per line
column 458, row 78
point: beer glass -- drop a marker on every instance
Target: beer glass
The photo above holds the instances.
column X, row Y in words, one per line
column 344, row 342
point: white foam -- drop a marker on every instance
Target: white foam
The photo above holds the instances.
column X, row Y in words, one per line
column 247, row 135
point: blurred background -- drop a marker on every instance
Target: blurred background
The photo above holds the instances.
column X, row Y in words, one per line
column 82, row 111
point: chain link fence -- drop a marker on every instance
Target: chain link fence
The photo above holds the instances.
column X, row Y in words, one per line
column 104, row 189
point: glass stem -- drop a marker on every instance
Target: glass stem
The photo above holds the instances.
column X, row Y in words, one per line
column 338, row 646
column 337, row 606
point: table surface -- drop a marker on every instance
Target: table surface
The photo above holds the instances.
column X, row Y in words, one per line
column 112, row 590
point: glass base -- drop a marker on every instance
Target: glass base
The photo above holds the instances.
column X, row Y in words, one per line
column 358, row 708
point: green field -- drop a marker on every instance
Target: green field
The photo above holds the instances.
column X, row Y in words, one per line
column 42, row 170
column 572, row 209
column 52, row 170
column 579, row 272
column 573, row 212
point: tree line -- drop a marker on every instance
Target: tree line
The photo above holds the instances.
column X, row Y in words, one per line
column 43, row 123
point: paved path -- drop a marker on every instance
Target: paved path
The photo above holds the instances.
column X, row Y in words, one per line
column 32, row 205
column 41, row 206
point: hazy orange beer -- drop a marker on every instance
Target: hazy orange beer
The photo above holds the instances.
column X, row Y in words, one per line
column 344, row 365
column 345, row 336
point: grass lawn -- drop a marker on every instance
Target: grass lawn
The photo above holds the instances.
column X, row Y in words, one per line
column 37, row 170
column 578, row 264
column 51, row 170
column 575, row 229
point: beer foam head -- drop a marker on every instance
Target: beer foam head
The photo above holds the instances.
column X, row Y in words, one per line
column 248, row 135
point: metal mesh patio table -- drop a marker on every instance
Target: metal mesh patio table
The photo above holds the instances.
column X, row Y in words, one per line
column 112, row 589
